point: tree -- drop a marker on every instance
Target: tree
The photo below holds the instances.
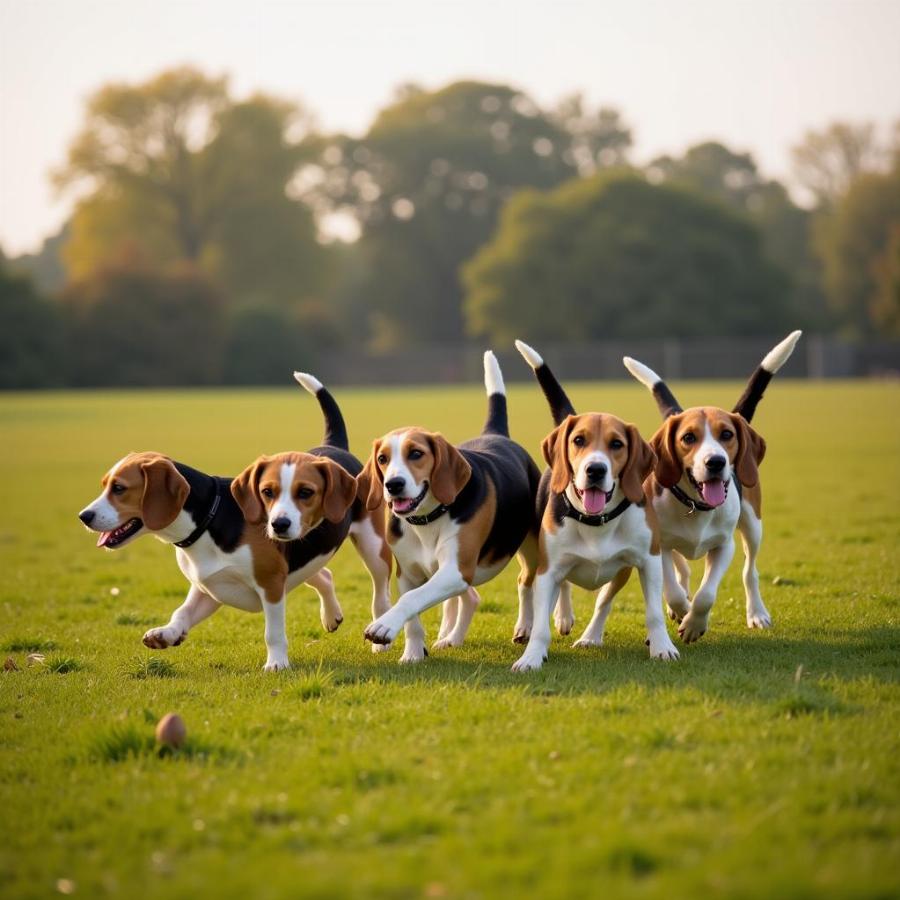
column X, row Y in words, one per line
column 129, row 324
column 426, row 184
column 857, row 241
column 179, row 169
column 616, row 256
column 826, row 162
column 598, row 139
column 733, row 179
column 30, row 335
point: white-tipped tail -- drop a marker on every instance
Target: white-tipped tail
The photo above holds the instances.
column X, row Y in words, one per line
column 780, row 354
column 644, row 374
column 493, row 377
column 310, row 382
column 530, row 355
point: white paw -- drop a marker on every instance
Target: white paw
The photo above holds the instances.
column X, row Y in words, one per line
column 564, row 623
column 413, row 653
column 449, row 641
column 331, row 621
column 678, row 608
column 160, row 638
column 383, row 630
column 276, row 662
column 693, row 626
column 759, row 618
column 522, row 632
column 662, row 648
column 381, row 648
column 588, row 641
column 530, row 661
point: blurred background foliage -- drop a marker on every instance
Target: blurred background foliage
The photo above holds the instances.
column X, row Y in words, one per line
column 216, row 240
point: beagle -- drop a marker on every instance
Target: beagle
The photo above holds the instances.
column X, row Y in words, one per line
column 457, row 516
column 705, row 485
column 596, row 522
column 227, row 556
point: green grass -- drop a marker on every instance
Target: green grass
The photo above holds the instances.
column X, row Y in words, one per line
column 762, row 764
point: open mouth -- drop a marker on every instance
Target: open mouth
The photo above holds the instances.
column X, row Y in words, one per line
column 593, row 499
column 713, row 492
column 115, row 538
column 403, row 506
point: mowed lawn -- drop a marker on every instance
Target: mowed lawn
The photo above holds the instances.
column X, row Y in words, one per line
column 762, row 764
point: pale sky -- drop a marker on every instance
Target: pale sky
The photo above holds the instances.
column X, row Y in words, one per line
column 755, row 74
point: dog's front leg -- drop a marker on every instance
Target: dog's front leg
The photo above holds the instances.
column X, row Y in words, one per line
column 650, row 573
column 197, row 606
column 276, row 635
column 695, row 623
column 446, row 582
column 329, row 608
column 546, row 589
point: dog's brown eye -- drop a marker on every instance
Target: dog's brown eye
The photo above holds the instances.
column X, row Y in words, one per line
column 117, row 488
column 305, row 493
column 416, row 454
column 268, row 493
column 689, row 438
column 382, row 459
column 578, row 440
column 726, row 435
column 616, row 444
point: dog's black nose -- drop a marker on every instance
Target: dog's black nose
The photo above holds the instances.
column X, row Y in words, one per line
column 87, row 516
column 281, row 524
column 395, row 486
column 596, row 471
column 715, row 463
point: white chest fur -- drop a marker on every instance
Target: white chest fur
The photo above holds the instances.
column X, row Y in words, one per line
column 693, row 534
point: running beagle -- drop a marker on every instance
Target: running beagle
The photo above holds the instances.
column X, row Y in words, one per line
column 705, row 485
column 227, row 555
column 457, row 516
column 596, row 523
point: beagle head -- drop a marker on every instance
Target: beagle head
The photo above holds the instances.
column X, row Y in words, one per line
column 708, row 446
column 410, row 468
column 142, row 492
column 293, row 493
column 594, row 453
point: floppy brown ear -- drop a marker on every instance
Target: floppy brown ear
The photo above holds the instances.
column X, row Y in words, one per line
column 668, row 463
column 165, row 490
column 245, row 490
column 340, row 490
column 556, row 455
column 370, row 482
column 751, row 450
column 640, row 463
column 451, row 472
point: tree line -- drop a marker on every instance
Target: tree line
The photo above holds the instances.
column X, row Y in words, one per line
column 205, row 242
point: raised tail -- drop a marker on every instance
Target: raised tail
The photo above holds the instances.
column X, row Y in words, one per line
column 560, row 405
column 665, row 399
column 759, row 380
column 335, row 429
column 497, row 417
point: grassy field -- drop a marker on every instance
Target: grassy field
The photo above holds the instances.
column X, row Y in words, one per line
column 759, row 765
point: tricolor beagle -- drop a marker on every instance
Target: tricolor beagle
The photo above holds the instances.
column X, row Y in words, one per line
column 230, row 560
column 706, row 484
column 457, row 516
column 596, row 522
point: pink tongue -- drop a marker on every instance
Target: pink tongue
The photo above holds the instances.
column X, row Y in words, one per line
column 104, row 537
column 713, row 491
column 594, row 501
column 401, row 506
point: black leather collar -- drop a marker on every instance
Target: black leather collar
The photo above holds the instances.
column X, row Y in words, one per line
column 436, row 513
column 600, row 519
column 199, row 531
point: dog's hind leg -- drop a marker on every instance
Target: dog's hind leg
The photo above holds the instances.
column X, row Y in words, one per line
column 466, row 605
column 376, row 557
column 528, row 562
column 564, row 613
column 682, row 572
column 593, row 634
column 197, row 606
column 750, row 527
column 449, row 613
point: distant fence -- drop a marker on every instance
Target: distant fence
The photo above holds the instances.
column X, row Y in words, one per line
column 815, row 357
